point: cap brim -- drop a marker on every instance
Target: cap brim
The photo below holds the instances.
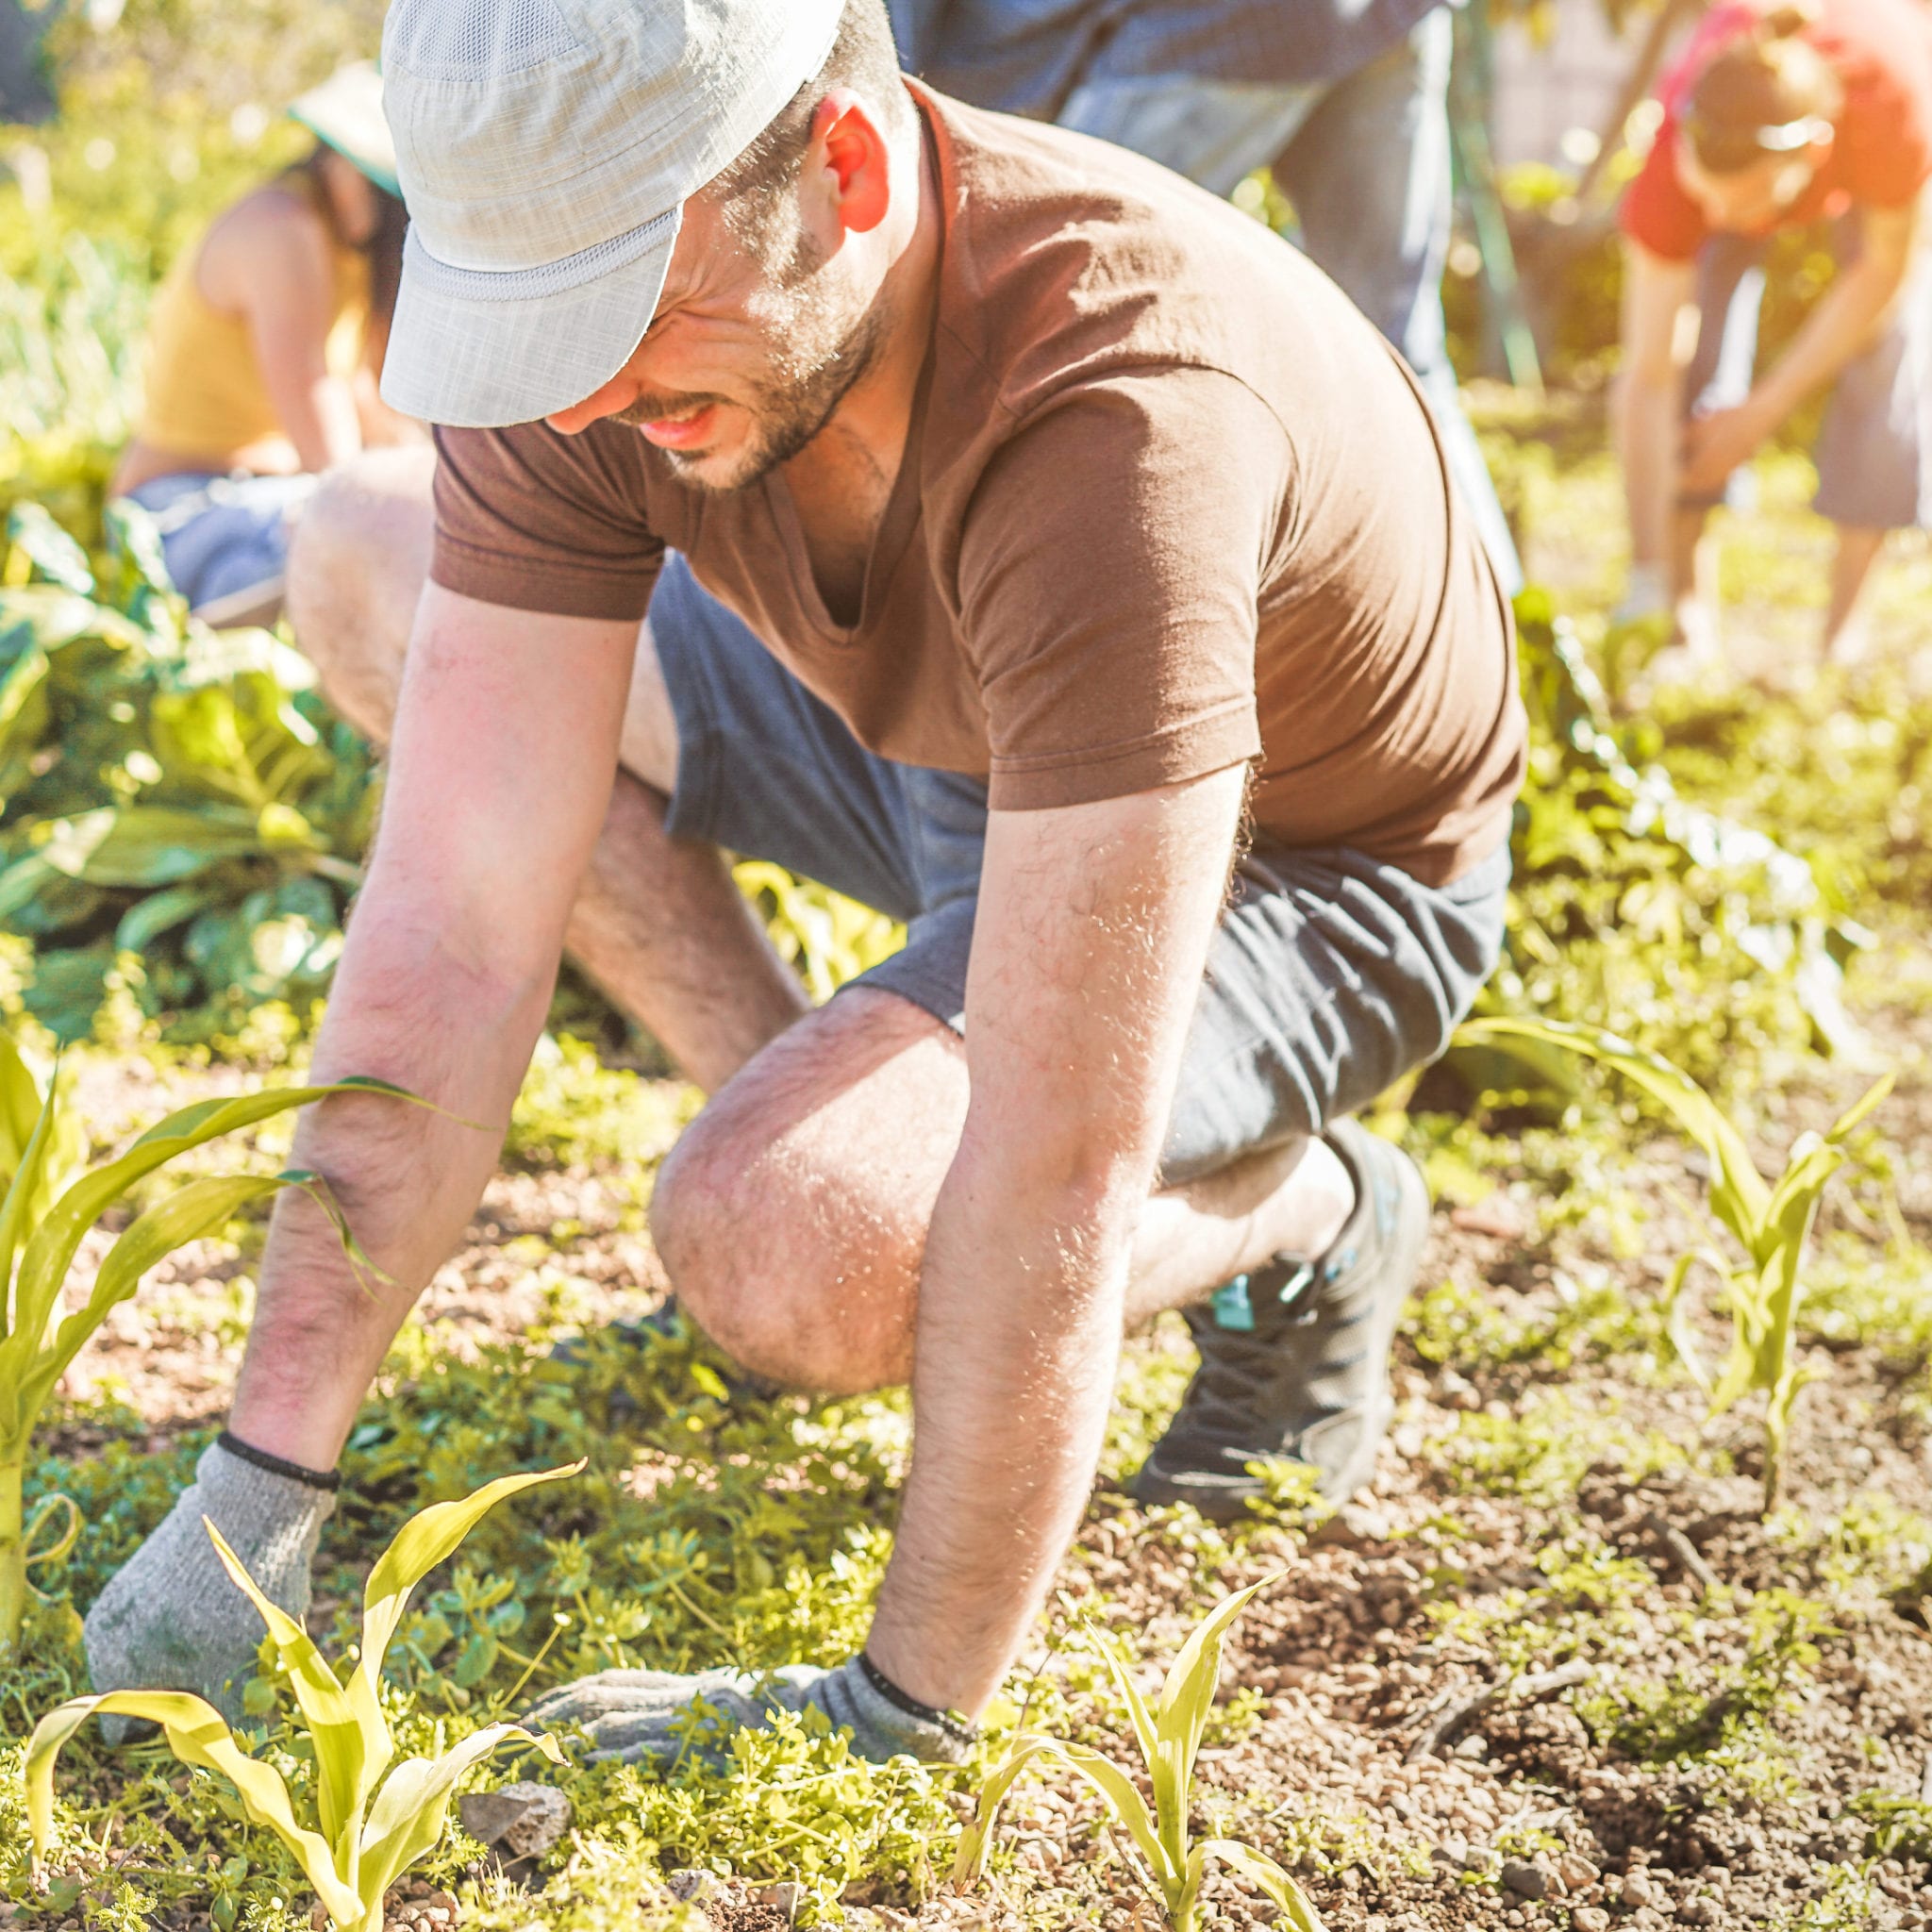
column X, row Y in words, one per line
column 467, row 350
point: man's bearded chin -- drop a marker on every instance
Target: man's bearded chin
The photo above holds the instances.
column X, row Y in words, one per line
column 786, row 410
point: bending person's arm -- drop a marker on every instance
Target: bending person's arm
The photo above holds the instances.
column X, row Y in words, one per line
column 1854, row 310
column 1092, row 938
column 500, row 774
column 1861, row 300
column 1659, row 329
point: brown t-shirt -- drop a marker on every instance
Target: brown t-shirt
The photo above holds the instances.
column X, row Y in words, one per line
column 1168, row 503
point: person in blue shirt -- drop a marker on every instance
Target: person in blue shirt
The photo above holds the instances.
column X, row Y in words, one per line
column 1345, row 100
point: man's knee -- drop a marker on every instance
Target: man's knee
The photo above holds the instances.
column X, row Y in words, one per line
column 356, row 568
column 727, row 1252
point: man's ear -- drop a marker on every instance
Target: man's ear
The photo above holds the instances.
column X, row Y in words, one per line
column 851, row 150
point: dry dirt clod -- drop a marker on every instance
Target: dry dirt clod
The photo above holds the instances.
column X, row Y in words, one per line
column 1591, row 1919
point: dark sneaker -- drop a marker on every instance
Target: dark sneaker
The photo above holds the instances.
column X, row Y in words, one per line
column 1295, row 1356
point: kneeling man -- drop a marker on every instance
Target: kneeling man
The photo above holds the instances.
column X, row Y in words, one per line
column 1024, row 543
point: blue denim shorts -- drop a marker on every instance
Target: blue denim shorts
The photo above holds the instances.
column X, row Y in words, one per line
column 1331, row 975
column 223, row 536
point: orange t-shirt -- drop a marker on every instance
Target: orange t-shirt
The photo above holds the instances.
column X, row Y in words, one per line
column 1169, row 504
column 1881, row 157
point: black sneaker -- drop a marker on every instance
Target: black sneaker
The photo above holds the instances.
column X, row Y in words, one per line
column 1295, row 1356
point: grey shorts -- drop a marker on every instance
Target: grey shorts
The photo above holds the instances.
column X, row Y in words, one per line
column 1331, row 975
column 1875, row 448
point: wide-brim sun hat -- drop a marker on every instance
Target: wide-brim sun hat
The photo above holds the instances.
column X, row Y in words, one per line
column 546, row 149
column 346, row 113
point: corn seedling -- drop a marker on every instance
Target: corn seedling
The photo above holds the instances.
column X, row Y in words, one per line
column 1169, row 1735
column 48, row 1206
column 369, row 1829
column 1771, row 1223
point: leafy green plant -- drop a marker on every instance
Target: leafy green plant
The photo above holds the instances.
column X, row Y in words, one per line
column 45, row 1215
column 1770, row 1224
column 372, row 1823
column 828, row 938
column 1169, row 1733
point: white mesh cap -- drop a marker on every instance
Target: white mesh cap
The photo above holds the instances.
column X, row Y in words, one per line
column 546, row 149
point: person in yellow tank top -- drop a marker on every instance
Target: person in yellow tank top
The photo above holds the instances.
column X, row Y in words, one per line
column 264, row 349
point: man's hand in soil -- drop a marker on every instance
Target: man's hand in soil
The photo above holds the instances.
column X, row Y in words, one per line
column 661, row 1718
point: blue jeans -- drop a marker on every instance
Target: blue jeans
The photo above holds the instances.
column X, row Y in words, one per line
column 1331, row 974
column 1365, row 160
column 1875, row 448
column 224, row 536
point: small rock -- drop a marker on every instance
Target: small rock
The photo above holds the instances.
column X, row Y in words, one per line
column 1524, row 1878
column 1576, row 1872
column 1638, row 1892
column 521, row 1821
column 1698, row 1911
column 784, row 1898
column 1591, row 1919
column 1474, row 1745
column 693, row 1885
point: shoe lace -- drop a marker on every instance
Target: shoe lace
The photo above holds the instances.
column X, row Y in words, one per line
column 1226, row 1402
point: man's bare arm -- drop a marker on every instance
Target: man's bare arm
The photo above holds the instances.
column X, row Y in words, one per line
column 500, row 772
column 1091, row 938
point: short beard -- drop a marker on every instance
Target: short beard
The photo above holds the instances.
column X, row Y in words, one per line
column 787, row 412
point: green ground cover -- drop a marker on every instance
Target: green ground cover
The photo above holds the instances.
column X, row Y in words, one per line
column 1737, row 1728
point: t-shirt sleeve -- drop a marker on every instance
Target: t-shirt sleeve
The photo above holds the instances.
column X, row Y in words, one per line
column 1658, row 212
column 1887, row 131
column 540, row 521
column 1109, row 569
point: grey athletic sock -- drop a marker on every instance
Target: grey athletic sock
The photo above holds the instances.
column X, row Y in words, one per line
column 171, row 1618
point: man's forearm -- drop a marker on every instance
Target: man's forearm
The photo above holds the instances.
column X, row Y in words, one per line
column 1019, row 1329
column 407, row 1179
column 1648, row 433
column 1856, row 307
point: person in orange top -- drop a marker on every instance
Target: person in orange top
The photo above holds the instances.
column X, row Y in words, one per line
column 264, row 349
column 1773, row 120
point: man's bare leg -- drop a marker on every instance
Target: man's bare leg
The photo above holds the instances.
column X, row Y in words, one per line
column 1846, row 639
column 658, row 924
column 791, row 1215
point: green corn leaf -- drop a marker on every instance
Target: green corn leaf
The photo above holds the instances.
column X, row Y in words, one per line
column 51, row 1247
column 342, row 1756
column 410, row 1812
column 198, row 1207
column 420, row 1545
column 22, row 1208
column 1679, row 1320
column 1102, row 1774
column 1188, row 1696
column 1146, row 1731
column 1856, row 1116
column 1739, row 1196
column 198, row 1735
column 1260, row 1871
